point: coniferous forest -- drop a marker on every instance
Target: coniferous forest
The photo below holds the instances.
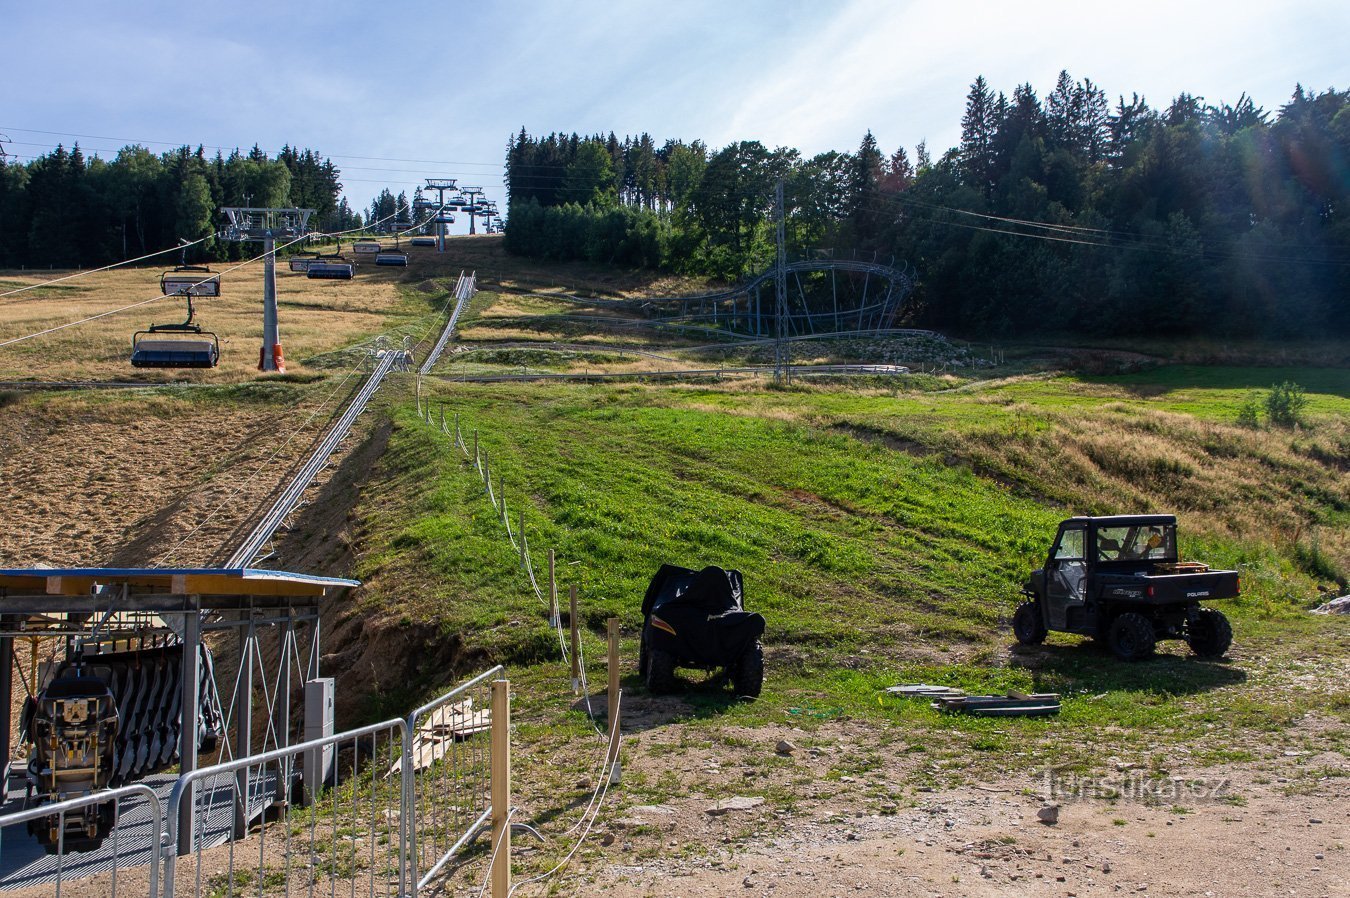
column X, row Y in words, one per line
column 67, row 210
column 1062, row 214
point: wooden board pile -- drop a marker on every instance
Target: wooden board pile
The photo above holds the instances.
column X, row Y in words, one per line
column 956, row 701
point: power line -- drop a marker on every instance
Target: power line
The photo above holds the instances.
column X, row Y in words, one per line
column 80, row 274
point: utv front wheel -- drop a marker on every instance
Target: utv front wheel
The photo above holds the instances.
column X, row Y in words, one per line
column 1211, row 634
column 747, row 675
column 1132, row 637
column 660, row 671
column 1028, row 625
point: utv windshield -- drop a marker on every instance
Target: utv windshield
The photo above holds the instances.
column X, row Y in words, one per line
column 1152, row 542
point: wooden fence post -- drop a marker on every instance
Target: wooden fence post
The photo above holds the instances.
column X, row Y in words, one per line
column 500, row 771
column 576, row 641
column 614, row 699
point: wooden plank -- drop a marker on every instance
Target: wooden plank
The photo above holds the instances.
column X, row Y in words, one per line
column 231, row 585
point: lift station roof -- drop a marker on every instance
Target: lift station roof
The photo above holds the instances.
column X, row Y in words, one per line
column 157, row 588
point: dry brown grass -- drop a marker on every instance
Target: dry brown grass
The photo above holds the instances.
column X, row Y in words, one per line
column 316, row 317
column 1223, row 479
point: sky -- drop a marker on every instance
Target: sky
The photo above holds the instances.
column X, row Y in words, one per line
column 401, row 90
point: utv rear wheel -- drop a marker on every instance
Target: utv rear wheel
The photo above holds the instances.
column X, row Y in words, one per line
column 660, row 671
column 1028, row 625
column 1210, row 635
column 747, row 674
column 1132, row 637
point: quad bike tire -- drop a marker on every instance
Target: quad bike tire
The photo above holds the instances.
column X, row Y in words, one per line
column 660, row 674
column 1028, row 624
column 1210, row 635
column 1131, row 637
column 747, row 674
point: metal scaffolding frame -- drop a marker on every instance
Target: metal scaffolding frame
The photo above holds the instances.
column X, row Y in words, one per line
column 180, row 605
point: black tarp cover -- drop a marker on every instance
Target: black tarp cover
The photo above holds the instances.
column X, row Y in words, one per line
column 700, row 616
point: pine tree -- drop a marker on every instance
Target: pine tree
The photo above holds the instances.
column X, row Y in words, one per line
column 977, row 135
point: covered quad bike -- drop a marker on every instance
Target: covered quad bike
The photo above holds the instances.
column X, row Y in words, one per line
column 1119, row 579
column 698, row 619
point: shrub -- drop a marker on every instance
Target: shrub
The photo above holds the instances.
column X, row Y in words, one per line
column 1249, row 413
column 1285, row 404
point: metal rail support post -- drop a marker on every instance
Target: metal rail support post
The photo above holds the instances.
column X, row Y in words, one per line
column 501, row 788
column 187, row 730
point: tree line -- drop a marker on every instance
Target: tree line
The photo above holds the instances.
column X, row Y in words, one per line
column 1068, row 213
column 65, row 209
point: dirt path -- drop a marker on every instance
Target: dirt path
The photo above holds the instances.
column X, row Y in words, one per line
column 1265, row 828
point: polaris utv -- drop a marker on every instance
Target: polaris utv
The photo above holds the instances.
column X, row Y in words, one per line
column 698, row 619
column 1118, row 579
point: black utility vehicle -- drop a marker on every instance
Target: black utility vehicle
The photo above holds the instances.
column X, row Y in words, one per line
column 698, row 619
column 1118, row 579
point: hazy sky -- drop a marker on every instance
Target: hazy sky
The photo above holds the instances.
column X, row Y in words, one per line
column 398, row 90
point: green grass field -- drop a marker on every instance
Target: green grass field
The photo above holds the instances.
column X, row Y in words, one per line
column 885, row 533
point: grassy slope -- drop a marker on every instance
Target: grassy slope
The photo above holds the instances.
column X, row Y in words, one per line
column 884, row 535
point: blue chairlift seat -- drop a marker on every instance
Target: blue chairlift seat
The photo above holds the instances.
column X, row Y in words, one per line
column 173, row 346
column 325, row 270
column 397, row 259
column 424, row 241
column 183, row 345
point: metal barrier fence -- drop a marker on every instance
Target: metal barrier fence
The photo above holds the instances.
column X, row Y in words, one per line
column 448, row 784
column 256, row 826
column 133, row 843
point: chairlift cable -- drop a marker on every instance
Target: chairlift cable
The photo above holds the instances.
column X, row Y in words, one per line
column 79, row 274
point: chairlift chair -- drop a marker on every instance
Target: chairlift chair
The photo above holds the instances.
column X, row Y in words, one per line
column 197, row 280
column 398, row 259
column 424, row 241
column 366, row 247
column 329, row 267
column 301, row 262
column 183, row 345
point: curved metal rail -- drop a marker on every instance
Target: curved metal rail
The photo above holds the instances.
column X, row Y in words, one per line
column 289, row 498
column 465, row 288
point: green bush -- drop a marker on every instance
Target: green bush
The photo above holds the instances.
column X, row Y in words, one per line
column 1249, row 413
column 1285, row 404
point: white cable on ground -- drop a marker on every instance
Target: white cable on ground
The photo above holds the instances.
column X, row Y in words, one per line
column 79, row 274
column 501, row 837
column 606, row 780
column 610, row 746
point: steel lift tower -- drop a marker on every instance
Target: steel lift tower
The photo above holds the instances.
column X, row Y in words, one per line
column 440, row 185
column 250, row 224
column 472, row 195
